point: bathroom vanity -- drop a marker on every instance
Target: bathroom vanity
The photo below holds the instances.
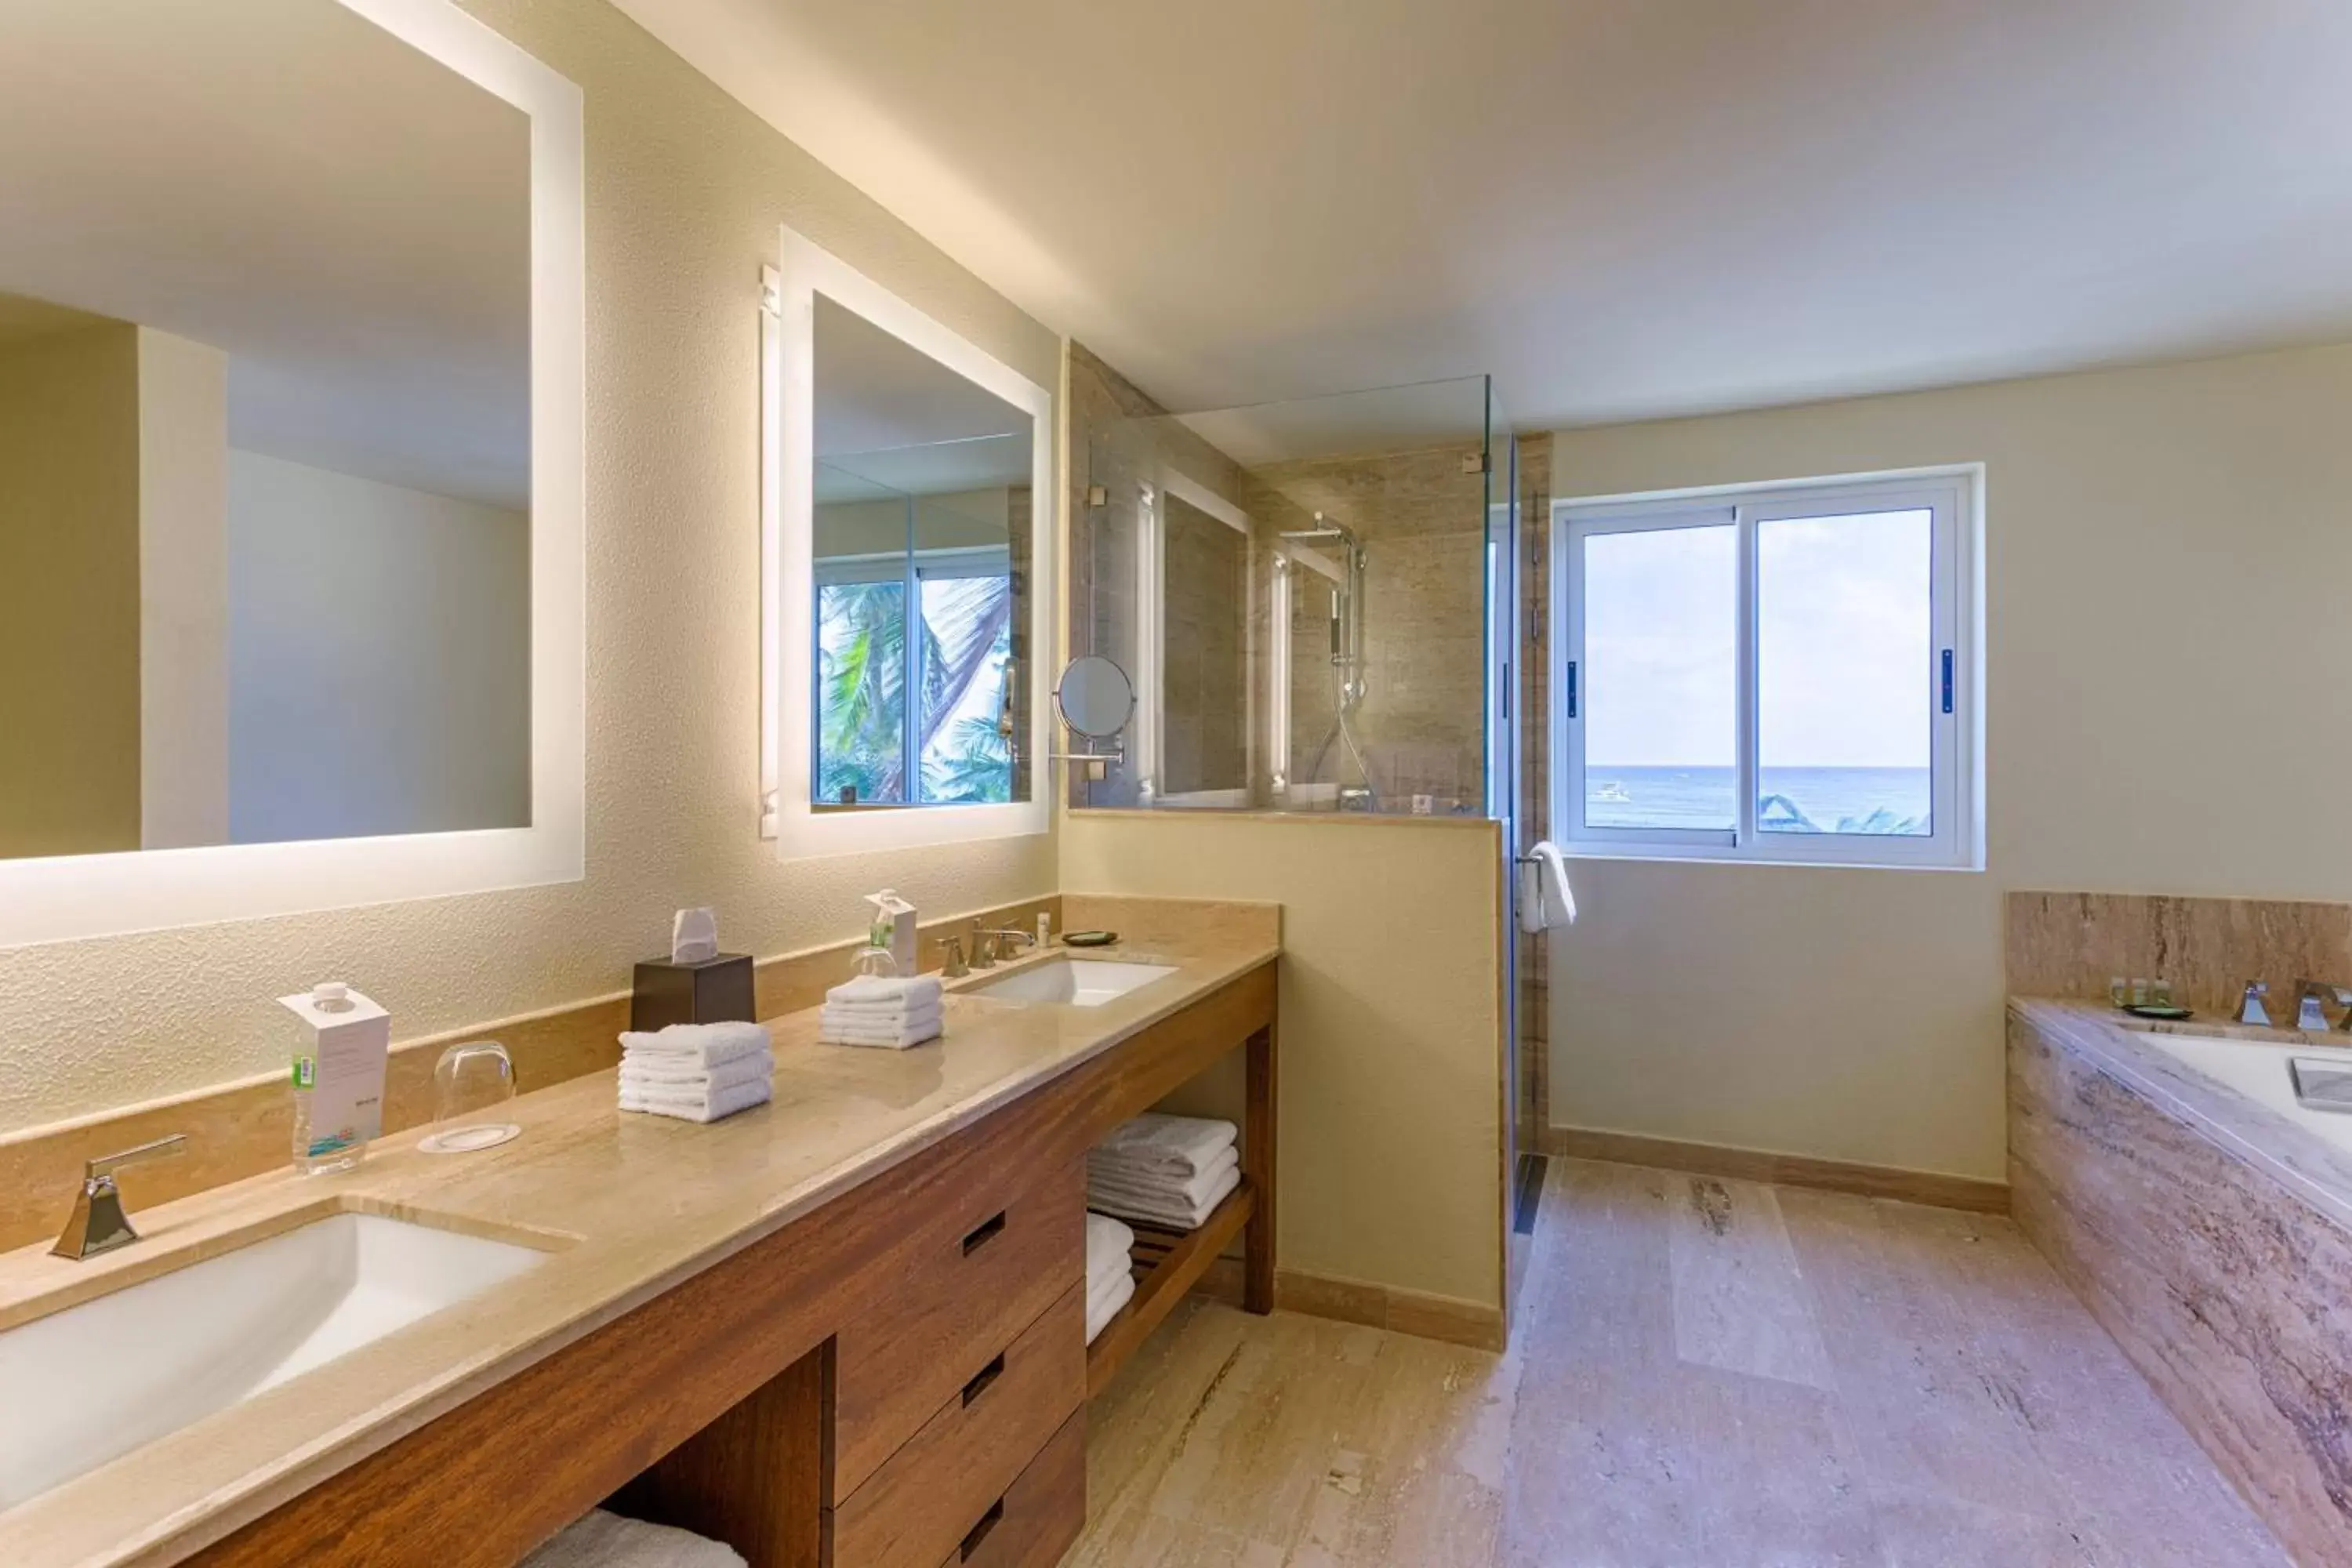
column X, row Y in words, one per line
column 844, row 1327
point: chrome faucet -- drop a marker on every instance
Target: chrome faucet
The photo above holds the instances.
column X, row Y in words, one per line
column 1005, row 936
column 2310, row 999
column 97, row 1223
column 2253, row 1009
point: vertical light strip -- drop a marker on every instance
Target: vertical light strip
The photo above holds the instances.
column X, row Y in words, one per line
column 772, row 545
column 1278, row 678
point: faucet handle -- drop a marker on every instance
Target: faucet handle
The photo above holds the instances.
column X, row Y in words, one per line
column 2253, row 1010
column 105, row 1165
column 955, row 968
column 97, row 1223
column 2311, row 998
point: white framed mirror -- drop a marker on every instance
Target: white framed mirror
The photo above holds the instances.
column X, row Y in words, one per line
column 908, row 540
column 290, row 462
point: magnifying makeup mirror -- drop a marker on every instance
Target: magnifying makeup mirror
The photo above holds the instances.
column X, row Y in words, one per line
column 1096, row 698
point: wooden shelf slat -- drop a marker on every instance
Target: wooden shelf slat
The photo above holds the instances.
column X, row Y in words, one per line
column 1186, row 1258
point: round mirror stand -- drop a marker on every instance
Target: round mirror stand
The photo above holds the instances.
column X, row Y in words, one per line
column 1096, row 699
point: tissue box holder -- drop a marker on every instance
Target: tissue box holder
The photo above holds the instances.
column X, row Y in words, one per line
column 716, row 991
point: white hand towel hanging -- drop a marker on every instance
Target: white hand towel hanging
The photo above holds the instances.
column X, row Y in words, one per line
column 1545, row 901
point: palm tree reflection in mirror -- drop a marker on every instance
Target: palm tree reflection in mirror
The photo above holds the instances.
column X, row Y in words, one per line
column 964, row 643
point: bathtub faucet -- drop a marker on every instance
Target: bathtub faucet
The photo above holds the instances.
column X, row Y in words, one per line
column 2310, row 999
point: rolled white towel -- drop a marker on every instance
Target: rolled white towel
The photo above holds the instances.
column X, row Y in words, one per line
column 694, row 1105
column 1110, row 1248
column 704, row 1045
column 885, row 993
column 1174, row 1213
column 601, row 1539
column 1164, row 1189
column 1155, row 1142
column 1101, row 1309
column 889, row 1034
column 659, row 1073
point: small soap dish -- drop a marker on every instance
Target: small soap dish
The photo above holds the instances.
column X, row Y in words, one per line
column 2164, row 1011
column 2321, row 1083
column 1089, row 938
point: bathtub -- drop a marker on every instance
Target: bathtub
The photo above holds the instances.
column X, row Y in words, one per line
column 2258, row 1071
column 2205, row 1217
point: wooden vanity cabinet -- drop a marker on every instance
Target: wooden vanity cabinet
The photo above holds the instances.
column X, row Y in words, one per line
column 896, row 1379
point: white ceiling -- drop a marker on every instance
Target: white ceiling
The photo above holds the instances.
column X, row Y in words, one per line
column 1623, row 208
column 280, row 179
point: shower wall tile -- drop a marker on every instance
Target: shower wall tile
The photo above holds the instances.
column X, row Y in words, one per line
column 1535, row 776
column 1422, row 522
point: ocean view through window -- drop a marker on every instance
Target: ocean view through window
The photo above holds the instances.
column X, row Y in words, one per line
column 1781, row 673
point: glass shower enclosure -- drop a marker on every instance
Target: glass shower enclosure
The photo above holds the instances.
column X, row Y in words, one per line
column 1316, row 600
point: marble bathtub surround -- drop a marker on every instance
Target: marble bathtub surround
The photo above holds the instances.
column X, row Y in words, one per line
column 2212, row 1237
column 242, row 1128
column 2071, row 944
column 581, row 1170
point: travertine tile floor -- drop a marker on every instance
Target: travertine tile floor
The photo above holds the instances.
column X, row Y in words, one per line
column 1706, row 1374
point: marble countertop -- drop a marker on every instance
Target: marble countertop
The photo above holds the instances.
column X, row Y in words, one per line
column 2251, row 1132
column 629, row 1206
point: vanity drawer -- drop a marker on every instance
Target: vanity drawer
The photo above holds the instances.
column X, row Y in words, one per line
column 928, row 1496
column 1041, row 1518
column 958, row 1301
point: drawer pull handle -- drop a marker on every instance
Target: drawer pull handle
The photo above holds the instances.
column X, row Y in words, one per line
column 979, row 1532
column 988, row 1230
column 982, row 1378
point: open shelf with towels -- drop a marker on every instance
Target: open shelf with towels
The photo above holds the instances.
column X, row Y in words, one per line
column 1167, row 1263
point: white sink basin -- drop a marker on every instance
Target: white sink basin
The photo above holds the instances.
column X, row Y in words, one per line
column 1079, row 983
column 86, row 1384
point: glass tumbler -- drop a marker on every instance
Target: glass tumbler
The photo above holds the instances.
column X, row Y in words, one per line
column 472, row 1085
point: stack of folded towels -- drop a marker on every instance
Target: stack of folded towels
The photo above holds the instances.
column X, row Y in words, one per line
column 1110, row 1280
column 892, row 1012
column 697, row 1072
column 1169, row 1171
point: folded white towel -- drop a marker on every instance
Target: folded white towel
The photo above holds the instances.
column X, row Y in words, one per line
column 659, row 1072
column 705, row 1044
column 1099, row 1291
column 601, row 1539
column 885, row 992
column 1110, row 1248
column 1101, row 1312
column 1174, row 1213
column 1155, row 1142
column 1164, row 1189
column 894, row 1023
column 1546, row 901
column 890, row 1036
column 692, row 1105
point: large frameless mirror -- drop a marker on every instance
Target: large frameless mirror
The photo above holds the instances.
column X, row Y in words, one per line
column 288, row 461
column 914, row 469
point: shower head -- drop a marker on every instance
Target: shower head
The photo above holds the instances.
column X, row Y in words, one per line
column 1322, row 530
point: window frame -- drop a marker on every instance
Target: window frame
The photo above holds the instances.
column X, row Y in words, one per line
column 1953, row 495
column 910, row 568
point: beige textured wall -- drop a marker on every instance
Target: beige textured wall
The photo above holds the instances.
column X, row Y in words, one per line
column 69, row 595
column 1390, row 1061
column 2165, row 550
column 685, row 189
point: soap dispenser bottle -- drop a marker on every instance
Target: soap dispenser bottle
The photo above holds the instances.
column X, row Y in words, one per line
column 342, row 1048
